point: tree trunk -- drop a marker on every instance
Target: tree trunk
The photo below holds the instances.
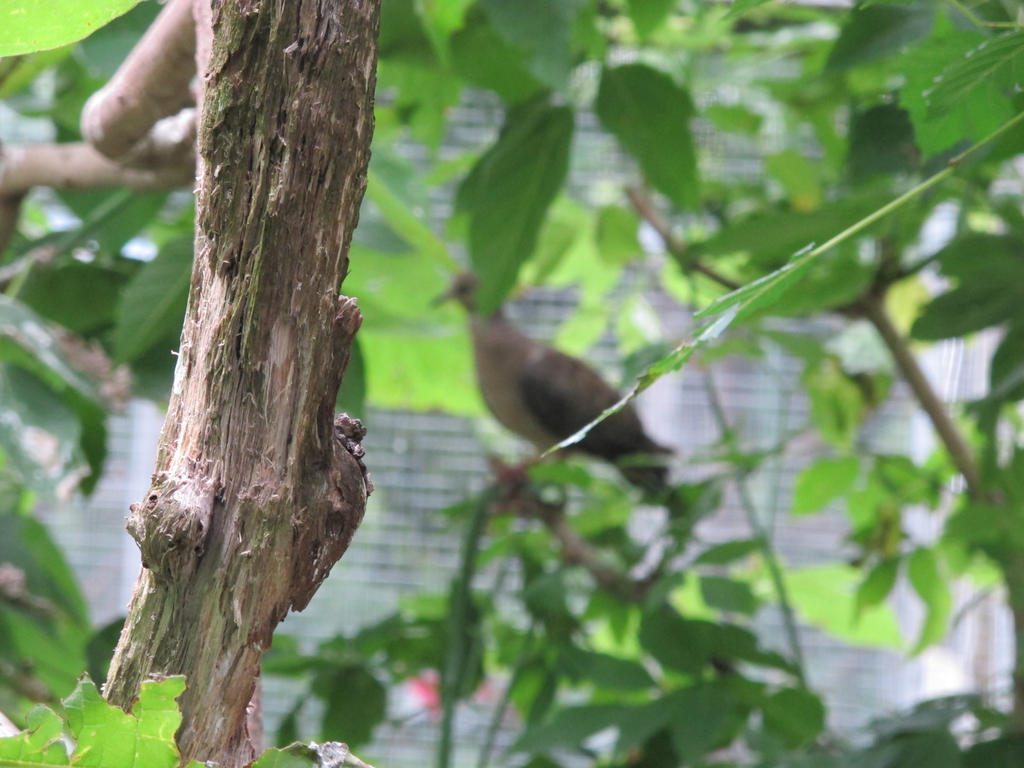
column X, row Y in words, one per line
column 257, row 490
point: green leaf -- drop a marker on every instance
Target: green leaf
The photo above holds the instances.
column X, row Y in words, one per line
column 701, row 716
column 1006, row 374
column 605, row 670
column 987, row 293
column 153, row 302
column 26, row 545
column 823, row 481
column 27, row 341
column 569, row 727
column 648, row 15
column 934, row 749
column 540, row 28
column 999, row 60
column 356, row 703
column 733, row 118
column 80, row 297
column 30, row 25
column 837, row 403
column 983, row 109
column 1003, row 752
column 739, row 7
column 771, row 236
column 406, row 224
column 926, row 579
column 798, row 176
column 482, row 57
column 795, row 714
column 877, row 584
column 105, row 735
column 728, row 552
column 881, row 142
column 650, row 115
column 508, row 193
column 879, row 31
column 40, row 744
column 617, row 230
column 728, row 594
column 38, row 432
column 825, row 597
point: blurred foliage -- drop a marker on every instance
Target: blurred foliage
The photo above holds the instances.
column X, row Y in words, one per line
column 648, row 653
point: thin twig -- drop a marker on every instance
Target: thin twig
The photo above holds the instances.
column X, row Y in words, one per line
column 872, row 308
column 675, row 247
column 767, row 548
column 455, row 663
column 499, row 711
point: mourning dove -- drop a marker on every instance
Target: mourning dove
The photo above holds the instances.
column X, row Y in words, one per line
column 544, row 395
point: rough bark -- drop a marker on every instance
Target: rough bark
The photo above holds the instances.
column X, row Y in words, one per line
column 258, row 489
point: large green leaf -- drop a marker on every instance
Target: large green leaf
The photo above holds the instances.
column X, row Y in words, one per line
column 605, row 670
column 881, row 142
column 35, row 25
column 38, row 432
column 999, row 60
column 508, row 192
column 982, row 109
column 80, row 297
column 26, row 545
column 101, row 734
column 771, row 236
column 28, row 341
column 542, row 29
column 989, row 292
column 796, row 714
column 482, row 57
column 702, row 717
column 356, row 703
column 825, row 596
column 153, row 302
column 569, row 727
column 878, row 31
column 105, row 735
column 650, row 115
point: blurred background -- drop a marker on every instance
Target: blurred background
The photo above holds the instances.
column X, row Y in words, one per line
column 854, row 582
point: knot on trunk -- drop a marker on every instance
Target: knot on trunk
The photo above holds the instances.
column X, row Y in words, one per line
column 350, row 432
column 171, row 526
column 324, row 527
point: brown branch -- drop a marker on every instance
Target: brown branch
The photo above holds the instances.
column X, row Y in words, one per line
column 78, row 166
column 152, row 83
column 10, row 210
column 518, row 498
column 870, row 306
column 675, row 247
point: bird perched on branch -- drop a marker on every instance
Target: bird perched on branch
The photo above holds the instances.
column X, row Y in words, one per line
column 544, row 395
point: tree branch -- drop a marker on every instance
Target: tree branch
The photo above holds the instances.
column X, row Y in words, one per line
column 870, row 306
column 675, row 247
column 519, row 499
column 771, row 557
column 151, row 83
column 78, row 166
